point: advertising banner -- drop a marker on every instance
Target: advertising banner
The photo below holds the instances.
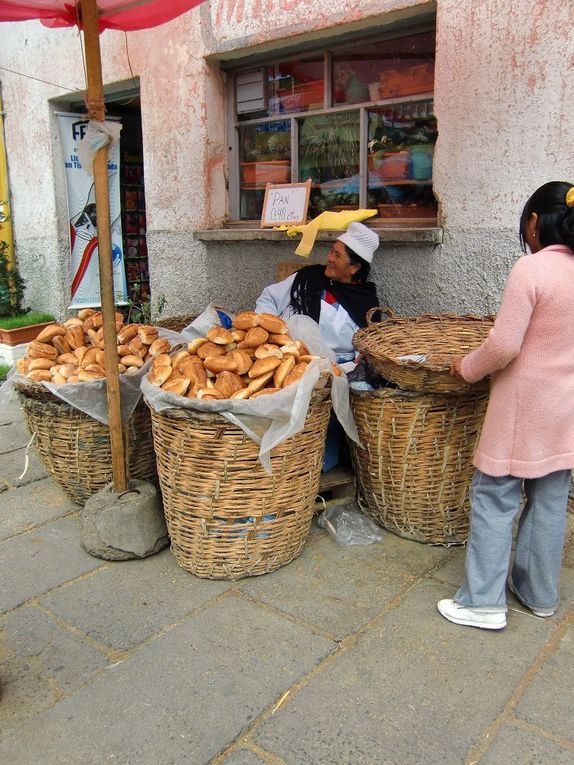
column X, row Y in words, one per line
column 82, row 216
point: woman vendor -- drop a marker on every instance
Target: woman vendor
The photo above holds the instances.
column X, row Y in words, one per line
column 337, row 295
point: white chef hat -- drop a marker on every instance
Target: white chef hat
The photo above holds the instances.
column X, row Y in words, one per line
column 363, row 241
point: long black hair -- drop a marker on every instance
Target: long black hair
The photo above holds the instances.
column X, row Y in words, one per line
column 357, row 298
column 555, row 217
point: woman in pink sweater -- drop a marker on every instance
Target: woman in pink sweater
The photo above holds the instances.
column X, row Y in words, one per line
column 527, row 441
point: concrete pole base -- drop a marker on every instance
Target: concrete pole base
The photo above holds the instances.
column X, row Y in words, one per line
column 124, row 526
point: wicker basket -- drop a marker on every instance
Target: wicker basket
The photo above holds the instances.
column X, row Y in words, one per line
column 75, row 448
column 176, row 323
column 415, row 470
column 440, row 338
column 227, row 518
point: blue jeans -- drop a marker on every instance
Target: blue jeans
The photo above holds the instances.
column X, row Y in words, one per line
column 539, row 542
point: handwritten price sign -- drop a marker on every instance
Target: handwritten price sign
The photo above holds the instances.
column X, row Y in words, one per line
column 285, row 204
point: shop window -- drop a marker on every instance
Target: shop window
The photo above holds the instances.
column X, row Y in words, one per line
column 356, row 119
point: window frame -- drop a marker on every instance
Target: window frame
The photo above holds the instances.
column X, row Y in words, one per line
column 234, row 124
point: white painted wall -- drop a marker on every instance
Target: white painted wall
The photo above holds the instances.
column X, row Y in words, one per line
column 504, row 98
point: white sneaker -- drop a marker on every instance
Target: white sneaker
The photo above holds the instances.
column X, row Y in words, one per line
column 543, row 613
column 471, row 617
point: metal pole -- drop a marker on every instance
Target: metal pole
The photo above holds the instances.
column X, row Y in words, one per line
column 96, row 111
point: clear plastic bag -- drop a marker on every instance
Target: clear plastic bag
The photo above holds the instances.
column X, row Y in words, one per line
column 348, row 526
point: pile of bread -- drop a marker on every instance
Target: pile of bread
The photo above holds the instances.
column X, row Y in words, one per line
column 255, row 357
column 73, row 352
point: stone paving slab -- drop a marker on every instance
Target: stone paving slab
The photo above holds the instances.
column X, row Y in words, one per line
column 31, row 506
column 14, row 435
column 182, row 699
column 34, row 562
column 547, row 701
column 414, row 689
column 244, row 757
column 126, row 602
column 339, row 589
column 40, row 661
column 13, row 464
column 517, row 745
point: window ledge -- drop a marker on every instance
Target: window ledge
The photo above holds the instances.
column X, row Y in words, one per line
column 392, row 234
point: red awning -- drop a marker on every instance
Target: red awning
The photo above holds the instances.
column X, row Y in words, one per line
column 125, row 15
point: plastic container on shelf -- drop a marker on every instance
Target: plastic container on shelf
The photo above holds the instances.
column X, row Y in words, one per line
column 395, row 166
column 421, row 161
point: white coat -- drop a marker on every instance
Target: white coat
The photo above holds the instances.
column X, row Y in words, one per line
column 337, row 327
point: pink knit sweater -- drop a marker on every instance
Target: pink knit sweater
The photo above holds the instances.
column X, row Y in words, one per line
column 529, row 426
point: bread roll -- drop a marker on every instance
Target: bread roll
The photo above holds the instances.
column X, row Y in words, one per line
column 67, row 358
column 67, row 370
column 73, row 379
column 84, row 313
column 61, row 344
column 131, row 370
column 279, row 340
column 160, row 360
column 262, row 366
column 178, row 357
column 287, row 365
column 193, row 390
column 98, row 319
column 219, row 336
column 127, row 333
column 228, row 382
column 264, row 391
column 268, row 349
column 85, row 375
column 195, row 371
column 294, row 376
column 254, row 338
column 273, row 324
column 101, row 359
column 95, row 368
column 161, row 345
column 132, row 361
column 245, row 320
column 210, row 349
column 210, row 394
column 37, row 350
column 137, row 346
column 121, row 368
column 220, row 364
column 80, row 352
column 73, row 322
column 178, row 386
column 195, row 344
column 39, row 375
column 124, row 350
column 241, row 394
column 308, row 358
column 90, row 356
column 259, row 382
column 290, row 350
column 22, row 365
column 40, row 364
column 238, row 334
column 57, row 379
column 302, row 348
column 337, row 371
column 75, row 336
column 50, row 332
column 147, row 334
column 244, row 362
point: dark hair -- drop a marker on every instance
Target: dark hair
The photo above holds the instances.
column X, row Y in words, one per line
column 555, row 218
column 363, row 273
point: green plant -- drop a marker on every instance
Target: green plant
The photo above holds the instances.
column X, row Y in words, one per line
column 25, row 319
column 329, row 148
column 11, row 283
column 145, row 312
column 4, row 369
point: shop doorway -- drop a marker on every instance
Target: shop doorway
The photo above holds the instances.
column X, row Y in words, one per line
column 124, row 104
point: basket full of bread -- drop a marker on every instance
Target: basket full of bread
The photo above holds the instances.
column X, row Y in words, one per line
column 230, row 513
column 65, row 365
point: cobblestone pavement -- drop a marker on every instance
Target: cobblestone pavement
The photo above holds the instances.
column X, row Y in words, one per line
column 339, row 657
